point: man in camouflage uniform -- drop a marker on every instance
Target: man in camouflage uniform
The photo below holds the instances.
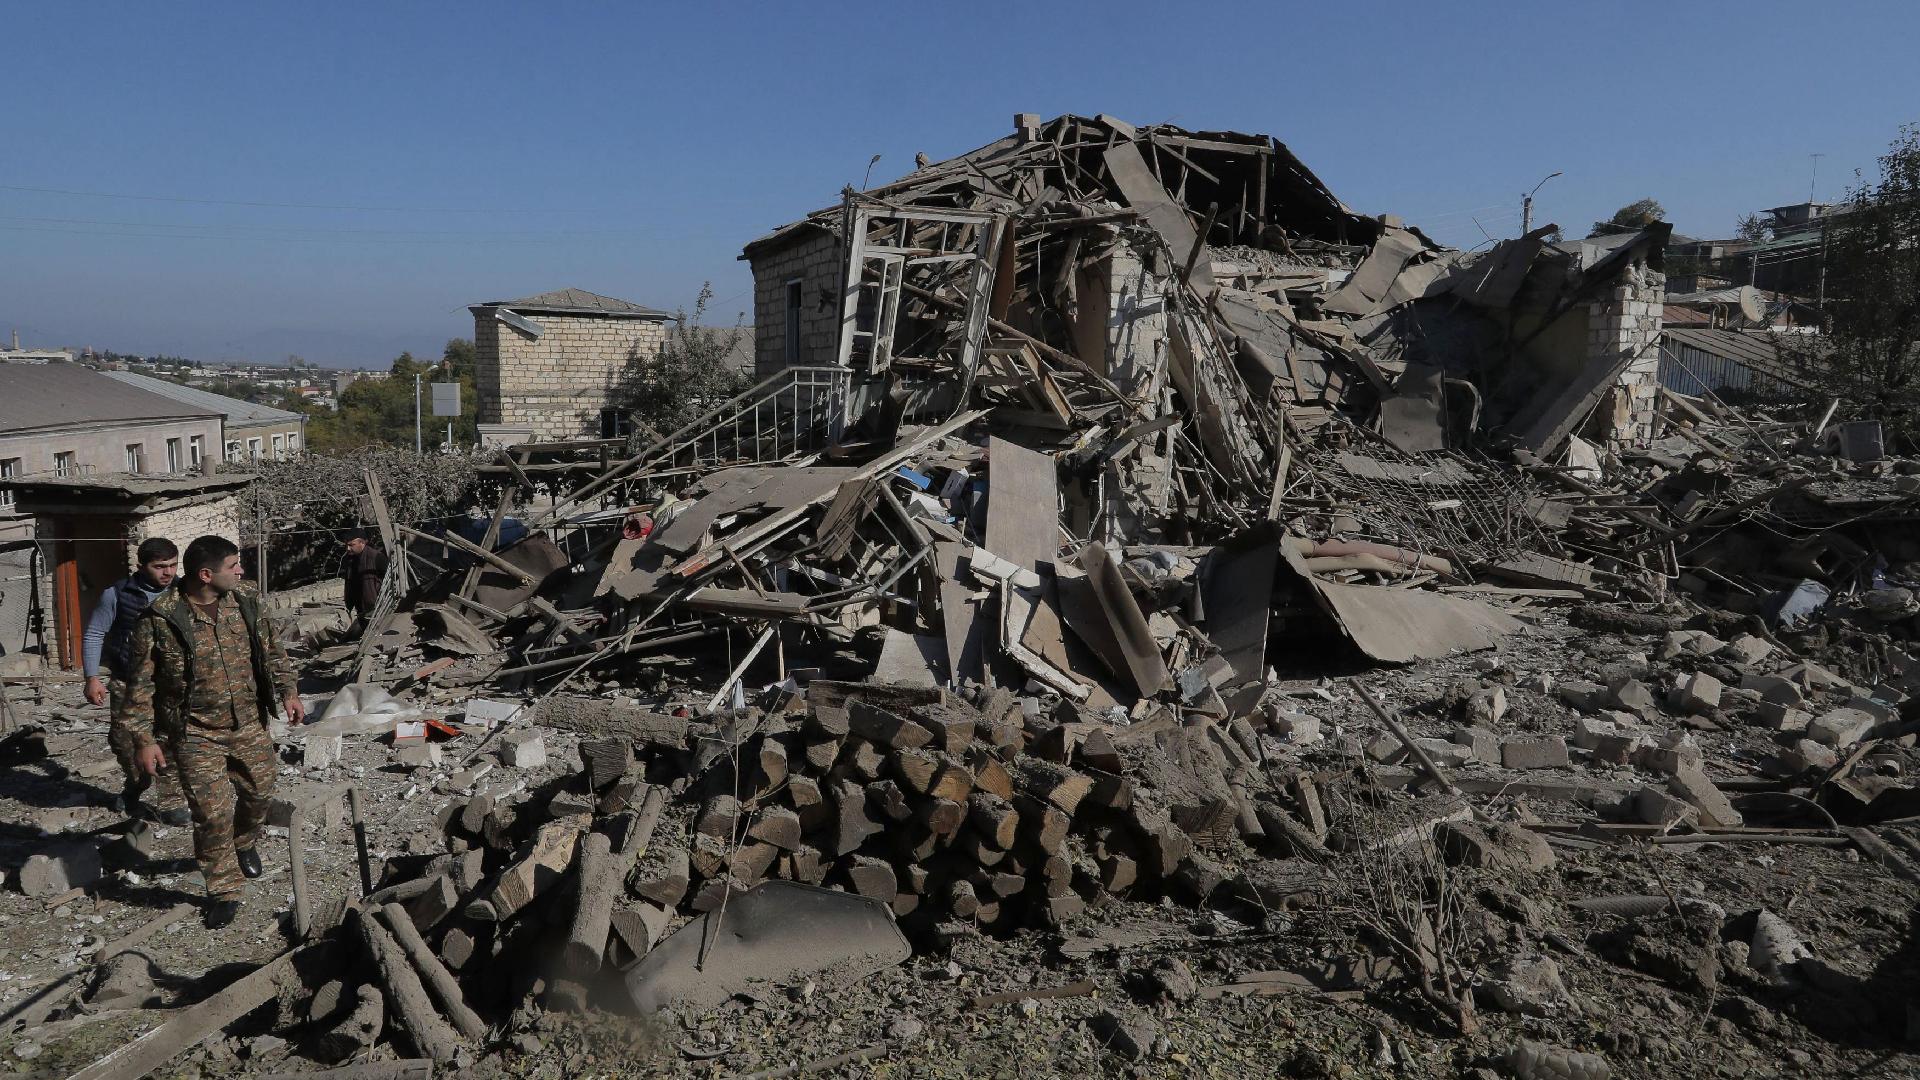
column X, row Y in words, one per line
column 206, row 676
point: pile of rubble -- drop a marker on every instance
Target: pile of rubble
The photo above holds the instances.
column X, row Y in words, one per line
column 1027, row 610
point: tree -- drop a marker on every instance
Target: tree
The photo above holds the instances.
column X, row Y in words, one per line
column 1635, row 215
column 1872, row 347
column 1750, row 228
column 380, row 412
column 688, row 376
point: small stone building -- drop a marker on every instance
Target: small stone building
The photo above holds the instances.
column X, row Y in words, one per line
column 797, row 276
column 90, row 526
column 546, row 363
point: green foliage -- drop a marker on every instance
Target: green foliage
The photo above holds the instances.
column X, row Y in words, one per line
column 307, row 503
column 1873, row 290
column 1751, row 228
column 379, row 412
column 1635, row 215
column 689, row 375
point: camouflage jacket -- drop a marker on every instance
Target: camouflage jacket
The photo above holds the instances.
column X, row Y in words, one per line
column 186, row 671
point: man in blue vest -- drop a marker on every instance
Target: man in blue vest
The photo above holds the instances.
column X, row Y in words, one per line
column 106, row 645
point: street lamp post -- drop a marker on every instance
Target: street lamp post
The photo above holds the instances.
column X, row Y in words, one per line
column 1526, row 205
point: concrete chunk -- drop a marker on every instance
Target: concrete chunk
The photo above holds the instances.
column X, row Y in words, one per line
column 1635, row 697
column 1699, row 693
column 1481, row 744
column 1842, row 727
column 1655, row 807
column 1693, row 787
column 1781, row 717
column 1534, row 752
column 1773, row 688
column 1745, row 651
column 523, row 750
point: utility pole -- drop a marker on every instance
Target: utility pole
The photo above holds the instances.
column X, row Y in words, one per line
column 1815, row 178
column 1526, row 204
column 416, row 413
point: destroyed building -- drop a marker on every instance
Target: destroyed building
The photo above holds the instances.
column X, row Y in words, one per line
column 1006, row 618
column 543, row 364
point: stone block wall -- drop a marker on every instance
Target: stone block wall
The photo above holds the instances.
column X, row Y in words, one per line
column 818, row 261
column 1626, row 322
column 556, row 383
column 185, row 522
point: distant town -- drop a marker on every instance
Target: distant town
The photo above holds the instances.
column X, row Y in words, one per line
column 290, row 385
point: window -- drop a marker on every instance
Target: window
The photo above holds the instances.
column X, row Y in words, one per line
column 233, row 450
column 293, row 444
column 279, row 448
column 196, row 451
column 133, row 457
column 792, row 348
column 173, row 455
column 9, row 468
column 66, row 463
column 253, row 448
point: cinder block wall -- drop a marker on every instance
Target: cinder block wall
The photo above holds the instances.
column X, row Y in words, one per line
column 818, row 261
column 185, row 524
column 1627, row 322
column 558, row 382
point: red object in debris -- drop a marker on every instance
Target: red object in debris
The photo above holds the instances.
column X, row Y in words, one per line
column 438, row 730
column 636, row 526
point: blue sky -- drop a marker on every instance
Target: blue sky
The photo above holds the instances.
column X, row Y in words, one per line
column 423, row 156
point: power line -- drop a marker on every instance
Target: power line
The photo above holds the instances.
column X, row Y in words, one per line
column 279, row 205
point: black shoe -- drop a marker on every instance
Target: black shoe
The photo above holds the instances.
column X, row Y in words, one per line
column 220, row 913
column 177, row 816
column 249, row 859
column 128, row 801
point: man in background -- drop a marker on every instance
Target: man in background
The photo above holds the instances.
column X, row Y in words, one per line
column 364, row 568
column 106, row 645
column 207, row 675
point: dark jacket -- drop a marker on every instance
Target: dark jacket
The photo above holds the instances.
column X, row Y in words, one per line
column 364, row 573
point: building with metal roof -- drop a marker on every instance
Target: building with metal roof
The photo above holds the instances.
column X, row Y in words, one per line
column 252, row 432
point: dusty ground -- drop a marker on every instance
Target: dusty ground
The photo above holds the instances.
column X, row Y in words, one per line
column 1656, row 996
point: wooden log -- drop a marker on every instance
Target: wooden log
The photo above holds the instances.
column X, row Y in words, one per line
column 1052, row 783
column 602, row 879
column 537, row 867
column 776, row 825
column 1097, row 752
column 989, row 775
column 943, row 817
column 427, row 1031
column 804, row 795
column 994, row 818
column 851, row 825
column 978, row 849
column 750, row 862
column 439, row 981
column 665, row 883
column 962, row 900
column 719, row 818
column 915, row 768
column 606, row 760
column 883, row 728
column 604, row 718
column 864, row 758
column 1044, row 824
column 456, row 948
column 873, row 877
column 772, row 767
column 439, row 901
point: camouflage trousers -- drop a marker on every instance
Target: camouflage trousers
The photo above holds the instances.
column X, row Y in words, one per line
column 120, row 738
column 227, row 777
